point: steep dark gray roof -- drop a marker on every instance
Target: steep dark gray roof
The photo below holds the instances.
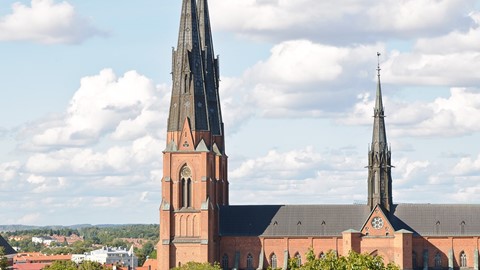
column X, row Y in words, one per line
column 422, row 219
column 332, row 220
column 188, row 92
column 291, row 220
column 6, row 246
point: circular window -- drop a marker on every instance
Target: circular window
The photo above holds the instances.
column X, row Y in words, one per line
column 186, row 173
column 377, row 223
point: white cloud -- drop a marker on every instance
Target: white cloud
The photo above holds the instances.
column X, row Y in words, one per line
column 467, row 166
column 106, row 202
column 29, row 219
column 305, row 79
column 36, row 179
column 81, row 172
column 300, row 61
column 340, row 21
column 9, row 171
column 455, row 115
column 101, row 104
column 299, row 176
column 456, row 41
column 442, row 69
column 45, row 21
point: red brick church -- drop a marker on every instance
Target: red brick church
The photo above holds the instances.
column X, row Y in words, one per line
column 198, row 224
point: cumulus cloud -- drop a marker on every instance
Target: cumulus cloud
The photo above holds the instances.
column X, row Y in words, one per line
column 450, row 59
column 105, row 150
column 467, row 166
column 299, row 176
column 9, row 171
column 455, row 115
column 103, row 104
column 306, row 79
column 343, row 21
column 442, row 69
column 47, row 22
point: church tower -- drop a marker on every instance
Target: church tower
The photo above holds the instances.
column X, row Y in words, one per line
column 379, row 157
column 195, row 181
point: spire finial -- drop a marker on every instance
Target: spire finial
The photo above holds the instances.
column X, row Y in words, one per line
column 378, row 65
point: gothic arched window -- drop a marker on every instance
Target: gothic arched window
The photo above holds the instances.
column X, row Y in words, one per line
column 225, row 262
column 298, row 258
column 186, row 187
column 249, row 261
column 463, row 259
column 273, row 261
column 438, row 260
column 414, row 260
column 437, row 227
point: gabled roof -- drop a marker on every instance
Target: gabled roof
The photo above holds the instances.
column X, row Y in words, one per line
column 291, row 220
column 437, row 219
column 332, row 220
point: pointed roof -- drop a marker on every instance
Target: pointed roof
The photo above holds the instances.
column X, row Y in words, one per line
column 379, row 138
column 7, row 249
column 211, row 72
column 188, row 90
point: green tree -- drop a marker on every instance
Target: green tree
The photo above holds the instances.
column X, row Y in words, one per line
column 89, row 265
column 198, row 266
column 3, row 259
column 62, row 265
column 354, row 261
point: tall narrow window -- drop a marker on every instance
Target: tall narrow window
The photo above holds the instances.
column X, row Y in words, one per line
column 462, row 227
column 189, row 192
column 298, row 258
column 182, row 193
column 437, row 227
column 225, row 262
column 425, row 258
column 249, row 262
column 273, row 261
column 463, row 259
column 438, row 260
column 414, row 260
column 186, row 187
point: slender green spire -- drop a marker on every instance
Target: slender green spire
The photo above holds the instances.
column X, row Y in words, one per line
column 211, row 70
column 188, row 89
column 379, row 156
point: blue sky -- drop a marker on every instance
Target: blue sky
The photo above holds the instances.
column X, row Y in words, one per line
column 84, row 94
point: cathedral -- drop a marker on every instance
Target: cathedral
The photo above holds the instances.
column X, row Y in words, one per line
column 197, row 223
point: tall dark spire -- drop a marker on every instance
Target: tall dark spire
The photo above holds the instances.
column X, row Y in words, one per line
column 211, row 70
column 379, row 157
column 188, row 89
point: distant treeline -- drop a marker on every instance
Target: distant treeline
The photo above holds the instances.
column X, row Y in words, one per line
column 93, row 236
column 97, row 234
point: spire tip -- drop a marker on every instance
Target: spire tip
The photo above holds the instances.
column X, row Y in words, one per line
column 378, row 63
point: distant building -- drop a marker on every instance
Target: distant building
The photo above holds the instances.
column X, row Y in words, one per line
column 44, row 240
column 36, row 260
column 67, row 239
column 150, row 264
column 109, row 256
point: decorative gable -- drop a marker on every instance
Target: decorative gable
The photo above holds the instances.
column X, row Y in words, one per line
column 377, row 224
column 186, row 139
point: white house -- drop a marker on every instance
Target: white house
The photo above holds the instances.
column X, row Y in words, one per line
column 45, row 240
column 109, row 255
